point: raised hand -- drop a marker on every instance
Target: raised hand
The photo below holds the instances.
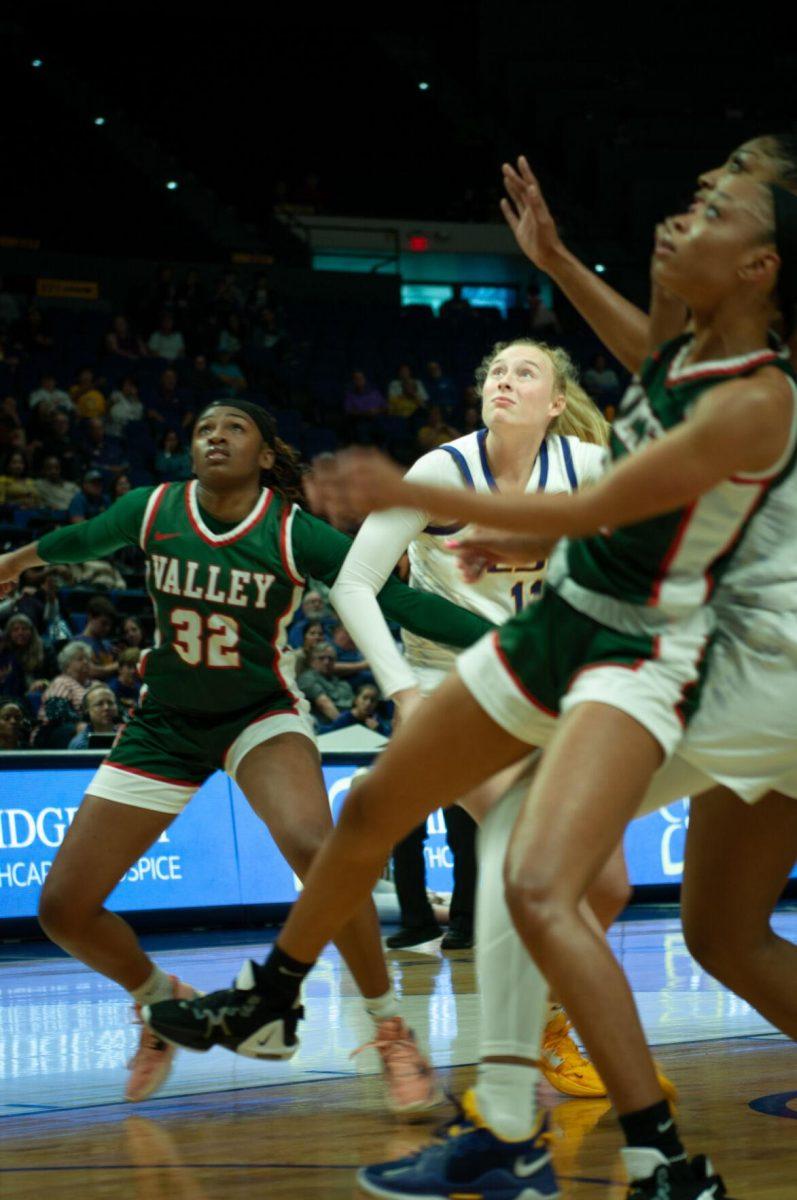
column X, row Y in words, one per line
column 528, row 216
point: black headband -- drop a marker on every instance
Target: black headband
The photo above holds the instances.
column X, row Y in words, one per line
column 261, row 418
column 785, row 203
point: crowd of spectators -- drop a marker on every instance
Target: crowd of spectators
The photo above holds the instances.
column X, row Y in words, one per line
column 77, row 433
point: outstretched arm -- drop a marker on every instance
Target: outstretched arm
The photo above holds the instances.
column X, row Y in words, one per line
column 739, row 427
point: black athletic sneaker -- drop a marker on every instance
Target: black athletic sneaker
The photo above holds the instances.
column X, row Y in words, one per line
column 412, row 935
column 667, row 1180
column 239, row 1018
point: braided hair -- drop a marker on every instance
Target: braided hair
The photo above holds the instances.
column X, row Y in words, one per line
column 286, row 475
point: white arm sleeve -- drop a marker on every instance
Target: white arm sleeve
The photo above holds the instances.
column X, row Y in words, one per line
column 375, row 551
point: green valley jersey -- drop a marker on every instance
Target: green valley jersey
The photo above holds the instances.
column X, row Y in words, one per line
column 668, row 566
column 224, row 596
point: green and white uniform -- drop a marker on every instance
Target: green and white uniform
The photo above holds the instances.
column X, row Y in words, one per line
column 624, row 619
column 220, row 678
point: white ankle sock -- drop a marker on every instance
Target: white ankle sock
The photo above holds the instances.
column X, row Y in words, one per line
column 157, row 987
column 505, row 1095
column 381, row 1008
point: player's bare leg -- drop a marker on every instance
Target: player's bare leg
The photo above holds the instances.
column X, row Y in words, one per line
column 738, row 859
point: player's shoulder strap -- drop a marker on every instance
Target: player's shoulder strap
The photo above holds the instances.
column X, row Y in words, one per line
column 456, row 454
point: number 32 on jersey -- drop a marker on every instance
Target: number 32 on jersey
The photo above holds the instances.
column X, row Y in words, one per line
column 211, row 641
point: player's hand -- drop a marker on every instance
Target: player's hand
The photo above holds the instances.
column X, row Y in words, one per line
column 528, row 216
column 478, row 549
column 347, row 486
column 8, row 574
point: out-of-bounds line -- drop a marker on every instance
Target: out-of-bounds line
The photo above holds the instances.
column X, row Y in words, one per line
column 237, row 1166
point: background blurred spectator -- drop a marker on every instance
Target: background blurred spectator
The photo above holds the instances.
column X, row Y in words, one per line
column 16, row 486
column 230, row 377
column 57, row 441
column 543, row 321
column 231, row 336
column 126, row 686
column 37, row 596
column 132, row 636
column 103, row 452
column 25, row 663
column 101, row 714
column 100, row 619
column 31, row 335
column 405, row 384
column 9, row 308
column 166, row 341
column 120, row 486
column 48, row 397
column 86, row 395
column 362, row 399
column 602, row 383
column 123, row 342
column 441, row 389
column 350, row 664
column 170, row 407
column 314, row 608
column 14, row 726
column 11, row 428
column 172, row 461
column 435, row 432
column 125, row 406
column 53, row 491
column 57, row 724
column 328, row 695
column 314, row 633
column 363, row 712
column 203, row 383
column 90, row 501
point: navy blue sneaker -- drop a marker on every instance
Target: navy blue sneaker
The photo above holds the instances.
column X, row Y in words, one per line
column 659, row 1179
column 240, row 1018
column 472, row 1162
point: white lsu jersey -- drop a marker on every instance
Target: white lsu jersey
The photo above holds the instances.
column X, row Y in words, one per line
column 563, row 465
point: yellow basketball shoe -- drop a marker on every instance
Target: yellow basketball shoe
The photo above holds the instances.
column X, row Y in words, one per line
column 567, row 1068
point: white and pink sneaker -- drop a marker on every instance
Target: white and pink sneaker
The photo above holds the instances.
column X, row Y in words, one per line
column 410, row 1080
column 150, row 1065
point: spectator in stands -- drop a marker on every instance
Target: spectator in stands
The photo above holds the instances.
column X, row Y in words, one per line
column 103, row 452
column 87, row 396
column 363, row 712
column 455, row 308
column 471, row 418
column 543, row 321
column 170, row 408
column 328, row 695
column 435, row 432
column 101, row 714
column 38, row 597
column 167, row 341
column 259, row 296
column 100, row 620
column 90, row 501
column 10, row 422
column 349, row 662
column 227, row 297
column 405, row 384
column 363, row 399
column 440, row 388
column 53, row 491
column 57, row 441
column 32, row 335
column 601, row 381
column 231, row 336
column 132, row 636
column 25, row 663
column 14, row 726
column 314, row 633
column 57, row 724
column 202, row 383
column 9, row 309
column 231, row 379
column 16, row 486
column 120, row 486
column 126, row 686
column 268, row 333
column 48, row 397
column 314, row 608
column 163, row 296
column 190, row 299
column 172, row 461
column 125, row 406
column 123, row 342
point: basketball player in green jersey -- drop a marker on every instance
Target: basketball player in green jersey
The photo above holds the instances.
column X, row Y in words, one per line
column 227, row 561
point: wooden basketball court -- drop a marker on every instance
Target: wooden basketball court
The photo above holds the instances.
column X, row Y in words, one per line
column 225, row 1127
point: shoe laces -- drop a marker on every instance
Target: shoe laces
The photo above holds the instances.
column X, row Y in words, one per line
column 397, row 1049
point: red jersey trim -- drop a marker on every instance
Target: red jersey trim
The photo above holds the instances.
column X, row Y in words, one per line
column 184, row 783
column 719, row 370
column 518, row 682
column 150, row 513
column 285, row 548
column 675, row 545
column 224, row 539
